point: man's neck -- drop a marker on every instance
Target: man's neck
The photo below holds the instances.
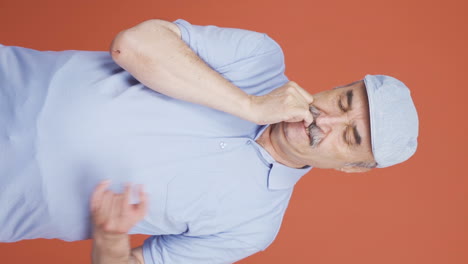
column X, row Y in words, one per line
column 265, row 140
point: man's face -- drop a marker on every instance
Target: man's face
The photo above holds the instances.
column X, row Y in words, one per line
column 340, row 134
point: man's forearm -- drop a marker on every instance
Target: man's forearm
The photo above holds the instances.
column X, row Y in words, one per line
column 155, row 55
column 112, row 249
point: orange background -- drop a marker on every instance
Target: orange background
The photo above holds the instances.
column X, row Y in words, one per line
column 416, row 212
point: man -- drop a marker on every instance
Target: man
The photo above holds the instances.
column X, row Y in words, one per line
column 217, row 175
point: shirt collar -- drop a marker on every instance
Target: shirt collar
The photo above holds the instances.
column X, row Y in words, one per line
column 280, row 176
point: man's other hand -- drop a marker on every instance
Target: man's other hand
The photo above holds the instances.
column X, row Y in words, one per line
column 289, row 103
column 112, row 213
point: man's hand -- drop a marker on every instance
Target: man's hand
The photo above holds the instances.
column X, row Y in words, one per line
column 289, row 103
column 113, row 217
column 112, row 212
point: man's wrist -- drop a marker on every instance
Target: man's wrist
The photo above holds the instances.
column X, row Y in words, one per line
column 248, row 109
column 102, row 233
column 111, row 243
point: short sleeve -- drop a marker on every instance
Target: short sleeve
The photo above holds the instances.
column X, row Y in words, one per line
column 252, row 61
column 213, row 249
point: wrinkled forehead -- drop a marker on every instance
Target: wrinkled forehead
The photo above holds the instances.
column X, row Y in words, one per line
column 363, row 104
column 361, row 93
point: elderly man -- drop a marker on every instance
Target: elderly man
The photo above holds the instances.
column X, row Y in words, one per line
column 203, row 117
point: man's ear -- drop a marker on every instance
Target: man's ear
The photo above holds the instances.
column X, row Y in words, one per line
column 349, row 169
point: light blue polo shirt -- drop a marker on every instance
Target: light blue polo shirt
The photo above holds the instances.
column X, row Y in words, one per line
column 71, row 119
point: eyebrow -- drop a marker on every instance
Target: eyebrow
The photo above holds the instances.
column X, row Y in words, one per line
column 349, row 96
column 357, row 137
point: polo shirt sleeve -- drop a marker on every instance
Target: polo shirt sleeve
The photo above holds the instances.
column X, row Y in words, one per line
column 180, row 249
column 251, row 60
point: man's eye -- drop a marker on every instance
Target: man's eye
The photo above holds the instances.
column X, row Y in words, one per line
column 340, row 105
column 347, row 137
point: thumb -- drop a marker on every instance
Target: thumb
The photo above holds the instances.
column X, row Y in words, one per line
column 308, row 119
column 307, row 96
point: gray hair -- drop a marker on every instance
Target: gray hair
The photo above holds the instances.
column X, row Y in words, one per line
column 349, row 84
column 362, row 164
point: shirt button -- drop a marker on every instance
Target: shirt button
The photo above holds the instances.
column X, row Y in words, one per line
column 222, row 145
column 248, row 142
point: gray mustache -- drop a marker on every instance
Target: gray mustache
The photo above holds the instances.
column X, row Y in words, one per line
column 315, row 133
column 315, row 112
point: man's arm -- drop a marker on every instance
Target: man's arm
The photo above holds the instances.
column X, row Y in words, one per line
column 113, row 217
column 154, row 53
column 114, row 249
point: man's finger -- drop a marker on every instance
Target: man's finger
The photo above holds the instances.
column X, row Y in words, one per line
column 126, row 199
column 143, row 205
column 106, row 205
column 96, row 197
column 116, row 207
column 308, row 119
column 307, row 96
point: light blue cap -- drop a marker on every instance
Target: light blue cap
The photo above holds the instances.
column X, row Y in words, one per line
column 393, row 120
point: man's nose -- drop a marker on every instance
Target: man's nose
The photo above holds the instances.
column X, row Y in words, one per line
column 327, row 122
